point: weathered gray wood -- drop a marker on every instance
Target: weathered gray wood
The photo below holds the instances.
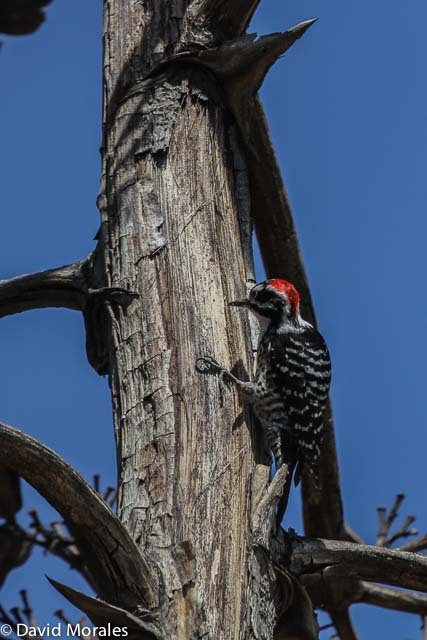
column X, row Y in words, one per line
column 176, row 228
column 335, row 559
column 61, row 287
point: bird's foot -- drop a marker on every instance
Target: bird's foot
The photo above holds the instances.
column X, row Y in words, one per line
column 208, row 364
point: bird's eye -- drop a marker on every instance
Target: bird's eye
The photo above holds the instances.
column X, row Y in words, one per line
column 262, row 295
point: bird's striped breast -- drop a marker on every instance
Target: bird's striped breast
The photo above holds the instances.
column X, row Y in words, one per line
column 292, row 383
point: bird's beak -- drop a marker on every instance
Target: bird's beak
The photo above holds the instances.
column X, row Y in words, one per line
column 240, row 303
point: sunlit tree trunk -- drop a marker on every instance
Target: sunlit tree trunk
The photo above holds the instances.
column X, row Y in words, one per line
column 176, row 229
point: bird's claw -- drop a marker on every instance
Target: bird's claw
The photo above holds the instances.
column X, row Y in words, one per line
column 207, row 364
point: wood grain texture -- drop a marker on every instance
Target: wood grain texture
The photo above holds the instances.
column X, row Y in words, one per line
column 176, row 229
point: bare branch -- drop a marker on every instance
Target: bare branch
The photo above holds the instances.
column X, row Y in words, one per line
column 296, row 619
column 55, row 541
column 63, row 287
column 20, row 17
column 246, row 56
column 379, row 596
column 402, row 532
column 10, row 494
column 22, row 614
column 14, row 549
column 384, row 537
column 335, row 596
column 71, row 287
column 342, row 622
column 109, row 494
column 321, row 586
column 335, row 559
column 27, row 610
column 350, row 535
column 117, row 568
column 415, row 545
column 385, row 521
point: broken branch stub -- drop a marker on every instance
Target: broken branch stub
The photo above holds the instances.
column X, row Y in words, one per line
column 104, row 614
column 241, row 65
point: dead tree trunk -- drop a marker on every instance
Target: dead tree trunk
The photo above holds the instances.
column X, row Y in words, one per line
column 176, row 229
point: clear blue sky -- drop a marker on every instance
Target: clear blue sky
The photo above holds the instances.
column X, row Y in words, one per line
column 347, row 108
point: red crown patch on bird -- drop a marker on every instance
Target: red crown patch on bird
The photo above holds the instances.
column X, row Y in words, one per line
column 283, row 286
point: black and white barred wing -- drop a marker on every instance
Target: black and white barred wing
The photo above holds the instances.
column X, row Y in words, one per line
column 303, row 375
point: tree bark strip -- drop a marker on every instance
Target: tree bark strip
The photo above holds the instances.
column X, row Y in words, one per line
column 176, row 229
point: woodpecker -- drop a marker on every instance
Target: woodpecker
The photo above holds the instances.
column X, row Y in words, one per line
column 293, row 373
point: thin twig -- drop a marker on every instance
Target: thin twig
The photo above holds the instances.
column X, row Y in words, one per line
column 384, row 538
column 96, row 482
column 394, row 599
column 19, row 614
column 385, row 521
column 27, row 610
column 55, row 541
column 402, row 532
column 109, row 494
column 415, row 545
